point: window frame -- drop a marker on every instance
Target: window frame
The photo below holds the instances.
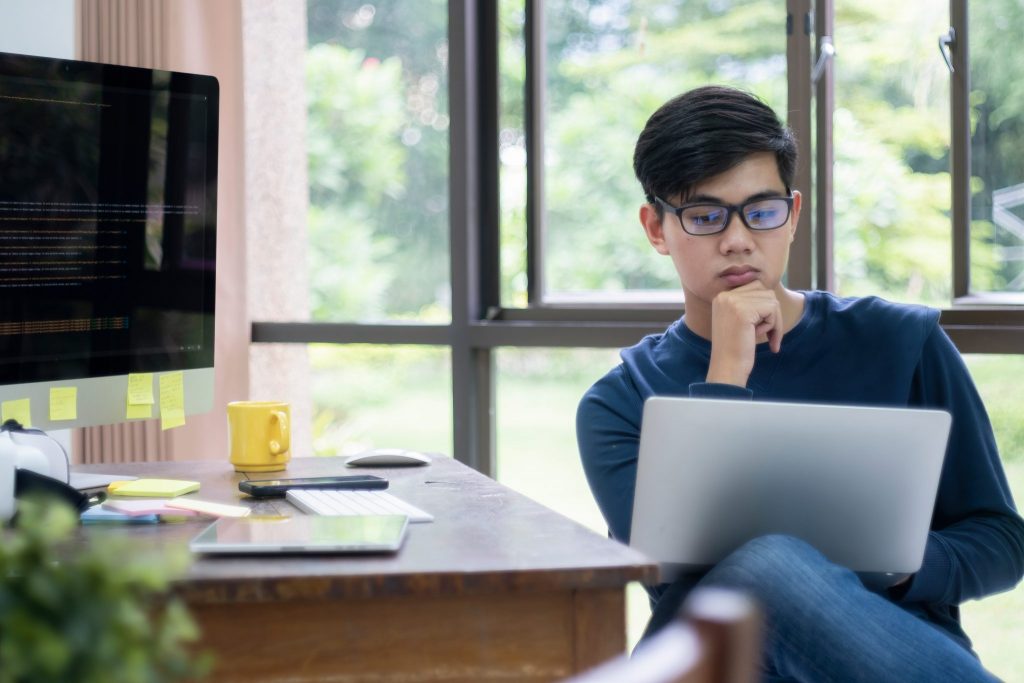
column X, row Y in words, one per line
column 960, row 153
column 479, row 324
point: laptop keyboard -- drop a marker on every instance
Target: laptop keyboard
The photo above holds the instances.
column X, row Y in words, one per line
column 359, row 502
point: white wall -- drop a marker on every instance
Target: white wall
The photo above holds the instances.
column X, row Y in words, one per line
column 38, row 27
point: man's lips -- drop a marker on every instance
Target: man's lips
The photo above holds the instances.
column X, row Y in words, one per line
column 737, row 276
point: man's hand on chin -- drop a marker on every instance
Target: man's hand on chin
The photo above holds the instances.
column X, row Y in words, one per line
column 740, row 318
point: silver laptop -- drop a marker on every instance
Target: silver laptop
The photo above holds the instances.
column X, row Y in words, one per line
column 857, row 483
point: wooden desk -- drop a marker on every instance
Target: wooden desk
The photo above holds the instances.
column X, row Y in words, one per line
column 497, row 588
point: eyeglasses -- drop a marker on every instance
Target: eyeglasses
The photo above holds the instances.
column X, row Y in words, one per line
column 705, row 218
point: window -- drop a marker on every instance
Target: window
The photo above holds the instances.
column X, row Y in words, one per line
column 472, row 223
column 891, row 143
column 536, row 390
column 597, row 54
column 587, row 61
column 997, row 169
column 366, row 396
column 377, row 136
column 410, row 241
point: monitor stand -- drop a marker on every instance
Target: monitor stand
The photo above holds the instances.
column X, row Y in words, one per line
column 25, row 452
column 27, row 449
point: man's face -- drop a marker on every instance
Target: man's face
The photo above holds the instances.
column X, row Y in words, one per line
column 710, row 264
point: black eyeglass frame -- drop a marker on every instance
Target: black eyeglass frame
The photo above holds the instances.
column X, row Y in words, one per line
column 730, row 209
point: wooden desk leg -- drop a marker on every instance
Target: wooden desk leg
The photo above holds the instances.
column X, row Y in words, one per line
column 599, row 626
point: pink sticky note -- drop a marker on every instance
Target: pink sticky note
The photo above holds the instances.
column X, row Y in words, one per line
column 145, row 507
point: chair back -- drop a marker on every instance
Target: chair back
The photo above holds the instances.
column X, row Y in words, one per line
column 716, row 639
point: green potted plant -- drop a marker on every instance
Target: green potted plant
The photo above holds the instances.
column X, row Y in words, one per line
column 88, row 612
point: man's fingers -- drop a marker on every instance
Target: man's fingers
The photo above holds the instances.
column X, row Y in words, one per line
column 770, row 325
column 765, row 326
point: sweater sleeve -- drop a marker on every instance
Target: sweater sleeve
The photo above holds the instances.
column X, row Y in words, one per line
column 976, row 546
column 608, row 437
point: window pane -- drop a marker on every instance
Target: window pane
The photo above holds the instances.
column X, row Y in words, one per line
column 997, row 138
column 995, row 623
column 377, row 91
column 537, row 394
column 512, row 150
column 610, row 65
column 891, row 132
column 368, row 396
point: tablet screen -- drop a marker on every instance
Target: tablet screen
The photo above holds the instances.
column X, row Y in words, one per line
column 303, row 534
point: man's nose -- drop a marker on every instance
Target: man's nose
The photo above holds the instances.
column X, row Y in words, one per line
column 736, row 236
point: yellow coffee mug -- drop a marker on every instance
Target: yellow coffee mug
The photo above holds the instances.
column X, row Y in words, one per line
column 260, row 439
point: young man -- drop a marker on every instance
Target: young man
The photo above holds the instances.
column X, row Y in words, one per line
column 717, row 167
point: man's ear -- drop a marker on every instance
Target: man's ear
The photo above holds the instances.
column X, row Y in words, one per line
column 794, row 217
column 654, row 227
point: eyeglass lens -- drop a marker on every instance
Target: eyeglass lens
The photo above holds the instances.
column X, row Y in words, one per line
column 762, row 214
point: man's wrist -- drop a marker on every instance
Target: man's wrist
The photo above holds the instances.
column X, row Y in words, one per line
column 720, row 375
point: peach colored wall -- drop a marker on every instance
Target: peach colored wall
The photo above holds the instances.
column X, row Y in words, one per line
column 276, row 200
column 206, row 37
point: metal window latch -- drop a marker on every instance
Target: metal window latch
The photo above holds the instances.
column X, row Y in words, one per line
column 826, row 53
column 946, row 43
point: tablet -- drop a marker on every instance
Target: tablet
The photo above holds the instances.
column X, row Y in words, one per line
column 302, row 534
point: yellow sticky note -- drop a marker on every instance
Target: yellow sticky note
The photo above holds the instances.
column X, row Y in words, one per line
column 140, row 388
column 172, row 400
column 18, row 409
column 137, row 411
column 63, row 403
column 153, row 488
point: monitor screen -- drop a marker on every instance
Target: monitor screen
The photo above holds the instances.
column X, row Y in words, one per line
column 108, row 185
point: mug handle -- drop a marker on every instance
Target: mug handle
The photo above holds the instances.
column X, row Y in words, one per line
column 282, row 442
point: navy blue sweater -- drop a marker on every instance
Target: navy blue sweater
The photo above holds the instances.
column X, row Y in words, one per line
column 862, row 351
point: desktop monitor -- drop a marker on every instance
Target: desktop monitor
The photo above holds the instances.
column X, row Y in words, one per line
column 108, row 212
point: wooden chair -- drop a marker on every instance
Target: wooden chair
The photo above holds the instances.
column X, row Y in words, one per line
column 716, row 639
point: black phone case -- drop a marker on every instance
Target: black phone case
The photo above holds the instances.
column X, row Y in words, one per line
column 256, row 489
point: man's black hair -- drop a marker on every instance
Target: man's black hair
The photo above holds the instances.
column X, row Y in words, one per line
column 705, row 132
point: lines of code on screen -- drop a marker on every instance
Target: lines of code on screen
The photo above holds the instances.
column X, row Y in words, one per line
column 106, row 225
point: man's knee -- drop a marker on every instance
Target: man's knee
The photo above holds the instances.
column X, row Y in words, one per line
column 781, row 572
column 773, row 552
column 777, row 565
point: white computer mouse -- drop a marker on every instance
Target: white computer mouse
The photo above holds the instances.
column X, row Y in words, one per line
column 387, row 457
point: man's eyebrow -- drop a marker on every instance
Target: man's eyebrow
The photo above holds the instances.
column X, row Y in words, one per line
column 711, row 199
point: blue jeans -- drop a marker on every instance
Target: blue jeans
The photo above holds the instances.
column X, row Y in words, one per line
column 822, row 624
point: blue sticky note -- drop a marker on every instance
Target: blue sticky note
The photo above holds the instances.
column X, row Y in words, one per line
column 98, row 515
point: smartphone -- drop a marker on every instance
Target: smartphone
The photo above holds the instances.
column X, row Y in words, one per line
column 263, row 488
